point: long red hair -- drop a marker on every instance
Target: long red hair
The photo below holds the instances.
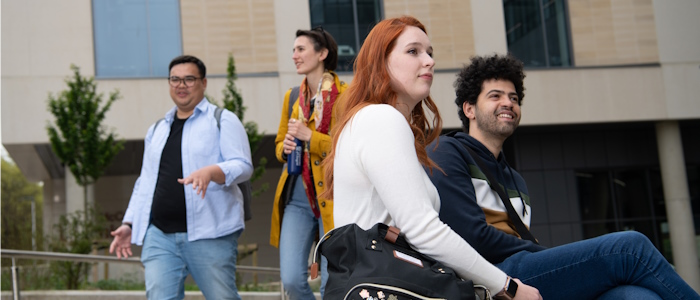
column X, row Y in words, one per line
column 372, row 85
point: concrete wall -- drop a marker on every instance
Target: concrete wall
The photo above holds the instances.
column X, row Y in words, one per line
column 37, row 57
column 679, row 42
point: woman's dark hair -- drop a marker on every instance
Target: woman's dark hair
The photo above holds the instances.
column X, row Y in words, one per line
column 184, row 59
column 471, row 79
column 322, row 39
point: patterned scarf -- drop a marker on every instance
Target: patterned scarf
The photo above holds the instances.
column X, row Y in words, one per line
column 323, row 106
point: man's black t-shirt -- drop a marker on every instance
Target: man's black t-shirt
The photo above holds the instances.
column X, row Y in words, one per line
column 168, row 211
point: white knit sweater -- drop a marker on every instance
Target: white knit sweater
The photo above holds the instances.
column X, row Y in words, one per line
column 378, row 178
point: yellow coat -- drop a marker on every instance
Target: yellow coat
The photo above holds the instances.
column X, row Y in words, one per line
column 319, row 148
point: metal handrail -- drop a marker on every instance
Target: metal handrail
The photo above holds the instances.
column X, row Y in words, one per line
column 43, row 255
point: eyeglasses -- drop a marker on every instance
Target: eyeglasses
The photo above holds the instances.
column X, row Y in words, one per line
column 188, row 80
column 323, row 33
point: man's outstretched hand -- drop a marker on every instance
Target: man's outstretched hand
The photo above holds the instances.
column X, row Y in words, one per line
column 122, row 242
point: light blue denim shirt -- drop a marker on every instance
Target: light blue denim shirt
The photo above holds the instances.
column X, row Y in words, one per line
column 221, row 211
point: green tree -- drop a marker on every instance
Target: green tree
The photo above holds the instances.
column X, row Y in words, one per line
column 234, row 102
column 17, row 195
column 77, row 136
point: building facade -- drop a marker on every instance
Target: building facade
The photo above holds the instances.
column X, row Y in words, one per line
column 608, row 139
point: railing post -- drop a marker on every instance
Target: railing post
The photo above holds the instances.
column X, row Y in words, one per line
column 255, row 263
column 94, row 266
column 282, row 290
column 15, row 281
column 106, row 270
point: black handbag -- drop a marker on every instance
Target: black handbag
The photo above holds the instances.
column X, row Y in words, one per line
column 379, row 264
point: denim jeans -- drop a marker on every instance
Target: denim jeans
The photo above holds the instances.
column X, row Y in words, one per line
column 629, row 292
column 621, row 265
column 169, row 257
column 299, row 228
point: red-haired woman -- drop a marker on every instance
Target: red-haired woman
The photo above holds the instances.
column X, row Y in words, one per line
column 375, row 170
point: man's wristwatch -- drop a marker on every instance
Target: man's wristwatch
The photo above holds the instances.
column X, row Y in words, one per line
column 508, row 292
column 127, row 224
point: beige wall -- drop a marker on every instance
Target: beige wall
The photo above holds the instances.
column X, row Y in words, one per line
column 290, row 15
column 613, row 32
column 679, row 50
column 211, row 29
column 36, row 58
column 677, row 25
column 39, row 43
column 578, row 96
column 593, row 95
column 449, row 26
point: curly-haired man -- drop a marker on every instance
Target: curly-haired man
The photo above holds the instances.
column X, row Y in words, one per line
column 621, row 265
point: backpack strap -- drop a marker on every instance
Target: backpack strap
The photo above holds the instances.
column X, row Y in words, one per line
column 293, row 96
column 520, row 228
column 156, row 126
column 513, row 216
column 217, row 116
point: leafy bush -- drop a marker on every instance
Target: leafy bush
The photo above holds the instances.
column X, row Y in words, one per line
column 31, row 277
column 75, row 233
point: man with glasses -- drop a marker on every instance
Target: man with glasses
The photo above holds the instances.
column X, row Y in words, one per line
column 186, row 208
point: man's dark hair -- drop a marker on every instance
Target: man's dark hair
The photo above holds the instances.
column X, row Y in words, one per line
column 470, row 79
column 322, row 39
column 184, row 59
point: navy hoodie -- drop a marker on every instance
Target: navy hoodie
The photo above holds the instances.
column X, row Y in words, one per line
column 468, row 204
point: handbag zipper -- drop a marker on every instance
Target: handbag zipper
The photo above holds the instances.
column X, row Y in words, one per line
column 390, row 288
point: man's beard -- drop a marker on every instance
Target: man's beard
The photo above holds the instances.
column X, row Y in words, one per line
column 488, row 124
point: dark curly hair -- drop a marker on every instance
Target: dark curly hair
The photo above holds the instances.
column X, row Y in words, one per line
column 471, row 78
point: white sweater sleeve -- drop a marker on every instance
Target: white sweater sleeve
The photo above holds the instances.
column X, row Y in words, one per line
column 380, row 143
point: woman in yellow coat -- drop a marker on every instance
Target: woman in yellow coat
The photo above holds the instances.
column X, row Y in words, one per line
column 298, row 215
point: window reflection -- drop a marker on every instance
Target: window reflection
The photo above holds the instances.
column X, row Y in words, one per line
column 136, row 38
column 630, row 199
column 537, row 32
column 349, row 21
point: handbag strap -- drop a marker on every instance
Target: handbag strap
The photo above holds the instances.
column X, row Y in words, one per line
column 392, row 233
column 514, row 218
column 314, row 261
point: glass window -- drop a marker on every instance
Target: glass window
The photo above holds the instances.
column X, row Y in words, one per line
column 595, row 196
column 537, row 32
column 626, row 199
column 632, row 194
column 348, row 29
column 136, row 38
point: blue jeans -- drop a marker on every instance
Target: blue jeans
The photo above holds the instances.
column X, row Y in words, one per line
column 169, row 257
column 299, row 228
column 629, row 292
column 621, row 265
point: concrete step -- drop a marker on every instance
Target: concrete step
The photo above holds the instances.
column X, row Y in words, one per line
column 125, row 295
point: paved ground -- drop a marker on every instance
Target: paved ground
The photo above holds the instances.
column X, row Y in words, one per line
column 124, row 295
